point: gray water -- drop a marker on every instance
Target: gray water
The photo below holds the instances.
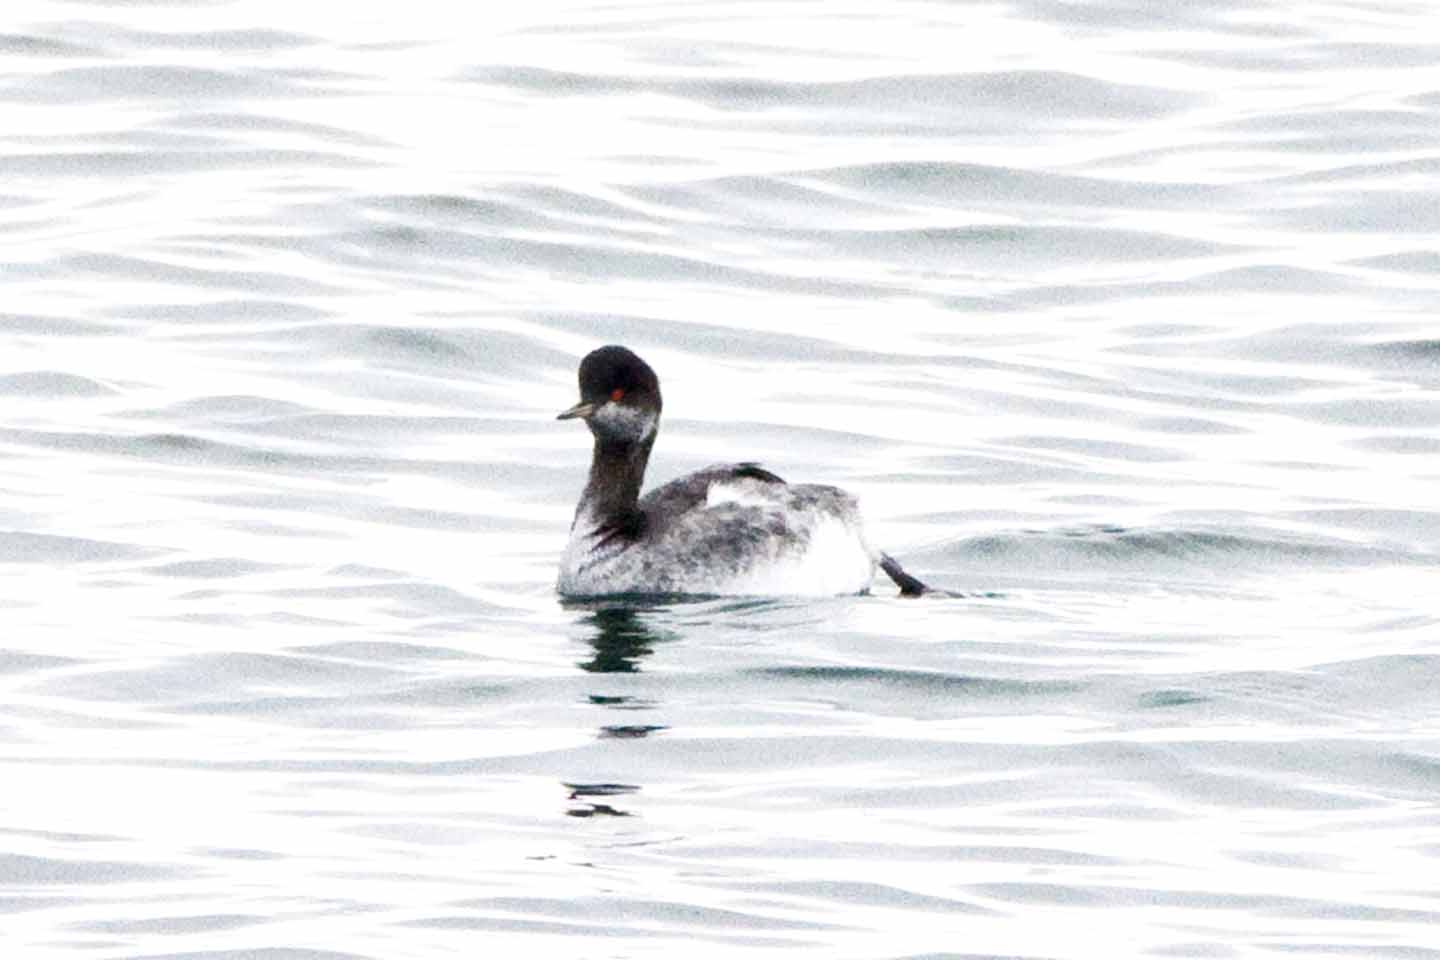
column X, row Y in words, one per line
column 1119, row 318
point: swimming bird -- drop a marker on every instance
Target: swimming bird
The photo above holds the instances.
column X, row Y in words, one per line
column 729, row 529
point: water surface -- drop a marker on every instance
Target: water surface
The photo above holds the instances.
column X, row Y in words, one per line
column 1120, row 321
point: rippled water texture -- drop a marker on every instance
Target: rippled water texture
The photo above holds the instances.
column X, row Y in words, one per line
column 1120, row 319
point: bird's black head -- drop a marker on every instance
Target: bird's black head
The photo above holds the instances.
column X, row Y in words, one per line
column 619, row 396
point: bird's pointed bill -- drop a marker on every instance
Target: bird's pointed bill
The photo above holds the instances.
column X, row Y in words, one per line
column 582, row 410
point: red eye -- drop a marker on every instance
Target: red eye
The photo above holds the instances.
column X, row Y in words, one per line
column 617, row 394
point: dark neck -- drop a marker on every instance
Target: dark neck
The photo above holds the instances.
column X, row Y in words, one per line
column 616, row 472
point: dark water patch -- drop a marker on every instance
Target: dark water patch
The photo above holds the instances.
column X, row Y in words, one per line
column 1228, row 390
column 1089, row 547
column 1236, row 17
column 1274, row 278
column 483, row 213
column 1266, row 192
column 1342, row 143
column 1311, row 344
column 178, row 925
column 1417, row 352
column 256, row 953
column 17, row 870
column 596, row 810
column 250, row 124
column 828, row 678
column 1165, row 699
column 239, row 853
column 1420, row 770
column 382, row 651
column 619, row 634
column 1293, row 59
column 1313, row 774
column 699, row 920
column 1362, row 175
column 861, row 894
column 1052, row 95
column 570, row 204
column 182, row 84
column 51, row 383
column 20, row 547
column 969, row 305
column 948, row 955
column 1291, row 861
column 23, row 903
column 516, row 206
column 1375, row 210
column 1115, row 896
column 1162, row 330
column 630, row 731
column 621, row 702
column 217, row 568
column 361, row 570
column 969, row 185
column 1408, row 444
column 251, row 40
column 1027, row 297
column 224, row 409
column 1410, row 261
column 1190, row 426
column 1364, row 948
column 556, row 82
column 1385, row 412
column 53, row 326
column 401, row 346
column 1327, row 122
column 1010, row 246
column 146, row 163
column 32, row 45
column 14, row 661
column 462, row 692
column 590, row 932
column 1389, row 686
column 578, row 790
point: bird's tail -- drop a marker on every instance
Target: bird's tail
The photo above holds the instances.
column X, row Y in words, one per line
column 909, row 586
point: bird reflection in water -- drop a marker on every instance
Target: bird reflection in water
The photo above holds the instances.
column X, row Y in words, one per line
column 620, row 639
column 593, row 808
